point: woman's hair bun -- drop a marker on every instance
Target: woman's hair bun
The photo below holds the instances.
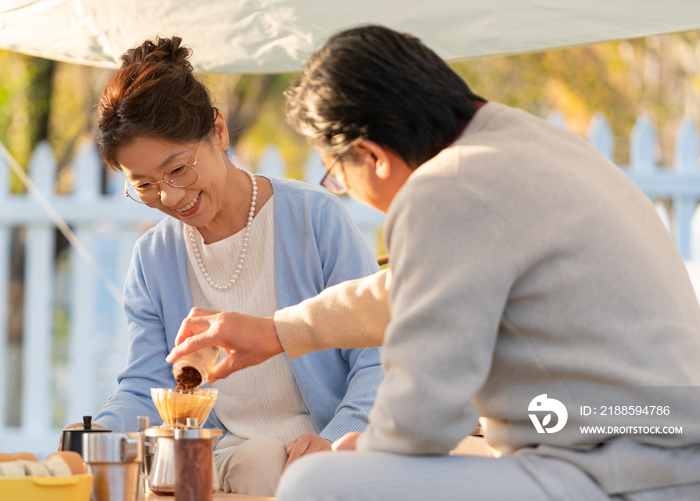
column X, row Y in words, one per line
column 162, row 50
column 154, row 94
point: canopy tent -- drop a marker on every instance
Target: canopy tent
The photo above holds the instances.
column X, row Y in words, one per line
column 270, row 36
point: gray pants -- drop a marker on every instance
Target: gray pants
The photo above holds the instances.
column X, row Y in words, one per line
column 376, row 476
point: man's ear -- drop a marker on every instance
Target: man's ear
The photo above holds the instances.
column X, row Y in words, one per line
column 220, row 139
column 382, row 158
column 387, row 164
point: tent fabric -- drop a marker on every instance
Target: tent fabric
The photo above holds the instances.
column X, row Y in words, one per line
column 271, row 36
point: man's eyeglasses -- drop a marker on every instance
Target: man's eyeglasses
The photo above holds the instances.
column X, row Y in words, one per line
column 181, row 176
column 333, row 183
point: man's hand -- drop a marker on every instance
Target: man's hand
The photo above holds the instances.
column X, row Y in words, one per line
column 346, row 442
column 247, row 340
column 305, row 444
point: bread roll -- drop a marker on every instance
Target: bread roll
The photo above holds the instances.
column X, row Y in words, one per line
column 58, row 467
column 34, row 468
column 58, row 464
column 11, row 469
column 73, row 459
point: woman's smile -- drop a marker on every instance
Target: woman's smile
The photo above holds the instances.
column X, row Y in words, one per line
column 191, row 208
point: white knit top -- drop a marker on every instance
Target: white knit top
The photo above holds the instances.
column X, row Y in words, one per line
column 260, row 401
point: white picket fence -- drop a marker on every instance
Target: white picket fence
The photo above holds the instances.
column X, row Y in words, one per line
column 679, row 183
column 108, row 226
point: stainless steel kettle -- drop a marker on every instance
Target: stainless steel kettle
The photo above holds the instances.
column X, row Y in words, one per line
column 114, row 459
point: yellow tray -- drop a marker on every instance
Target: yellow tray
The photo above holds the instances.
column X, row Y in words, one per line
column 73, row 488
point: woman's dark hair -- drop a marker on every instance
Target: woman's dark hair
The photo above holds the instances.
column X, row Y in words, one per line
column 375, row 83
column 154, row 94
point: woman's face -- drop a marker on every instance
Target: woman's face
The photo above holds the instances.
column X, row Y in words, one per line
column 147, row 160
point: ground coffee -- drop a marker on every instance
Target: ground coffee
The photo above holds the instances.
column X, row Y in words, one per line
column 188, row 379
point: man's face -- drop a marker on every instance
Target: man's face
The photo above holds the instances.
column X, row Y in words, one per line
column 371, row 174
column 357, row 179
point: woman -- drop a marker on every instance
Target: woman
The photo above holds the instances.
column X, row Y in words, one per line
column 234, row 241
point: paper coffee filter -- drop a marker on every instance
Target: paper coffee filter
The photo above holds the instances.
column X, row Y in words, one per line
column 175, row 406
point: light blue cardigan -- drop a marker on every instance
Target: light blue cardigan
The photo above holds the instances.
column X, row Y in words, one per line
column 316, row 246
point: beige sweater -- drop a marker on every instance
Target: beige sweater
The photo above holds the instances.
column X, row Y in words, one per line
column 519, row 254
column 353, row 314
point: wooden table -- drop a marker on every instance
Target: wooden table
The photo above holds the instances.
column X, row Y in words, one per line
column 218, row 496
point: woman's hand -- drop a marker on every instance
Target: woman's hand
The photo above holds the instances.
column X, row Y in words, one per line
column 308, row 443
column 346, row 442
column 247, row 340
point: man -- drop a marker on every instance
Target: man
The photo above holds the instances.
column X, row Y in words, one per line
column 519, row 255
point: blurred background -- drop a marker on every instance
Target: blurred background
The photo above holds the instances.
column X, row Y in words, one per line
column 62, row 332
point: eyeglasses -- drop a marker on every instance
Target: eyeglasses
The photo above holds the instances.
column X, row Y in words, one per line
column 334, row 184
column 181, row 176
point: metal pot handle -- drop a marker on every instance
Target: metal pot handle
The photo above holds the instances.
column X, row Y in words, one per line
column 129, row 449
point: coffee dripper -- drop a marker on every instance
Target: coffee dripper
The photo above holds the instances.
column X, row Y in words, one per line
column 179, row 410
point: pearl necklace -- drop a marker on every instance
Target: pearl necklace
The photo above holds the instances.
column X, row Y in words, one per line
column 244, row 249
